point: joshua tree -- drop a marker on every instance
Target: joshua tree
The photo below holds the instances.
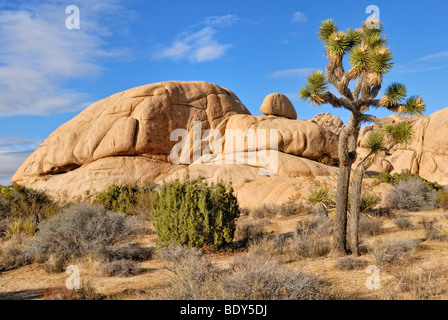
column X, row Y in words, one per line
column 397, row 133
column 370, row 59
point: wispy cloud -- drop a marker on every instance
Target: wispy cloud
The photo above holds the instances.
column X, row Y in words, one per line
column 38, row 55
column 200, row 45
column 14, row 150
column 298, row 17
column 436, row 61
column 291, row 73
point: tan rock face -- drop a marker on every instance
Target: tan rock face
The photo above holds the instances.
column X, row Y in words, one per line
column 303, row 138
column 277, row 104
column 426, row 155
column 329, row 122
column 138, row 121
column 125, row 138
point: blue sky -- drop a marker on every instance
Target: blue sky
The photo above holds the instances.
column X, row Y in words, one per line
column 48, row 73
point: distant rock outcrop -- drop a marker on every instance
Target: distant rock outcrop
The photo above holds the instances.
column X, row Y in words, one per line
column 426, row 155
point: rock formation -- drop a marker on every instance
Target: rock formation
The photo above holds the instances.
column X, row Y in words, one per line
column 277, row 104
column 126, row 138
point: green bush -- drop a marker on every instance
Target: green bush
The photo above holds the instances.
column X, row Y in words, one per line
column 396, row 178
column 129, row 199
column 23, row 209
column 195, row 214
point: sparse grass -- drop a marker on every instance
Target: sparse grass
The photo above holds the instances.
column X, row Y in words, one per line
column 266, row 211
column 350, row 263
column 311, row 238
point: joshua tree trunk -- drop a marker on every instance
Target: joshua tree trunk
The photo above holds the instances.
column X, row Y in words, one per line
column 347, row 155
column 355, row 204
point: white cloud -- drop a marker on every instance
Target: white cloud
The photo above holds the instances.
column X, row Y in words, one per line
column 198, row 46
column 298, row 17
column 291, row 73
column 38, row 55
column 436, row 61
column 221, row 21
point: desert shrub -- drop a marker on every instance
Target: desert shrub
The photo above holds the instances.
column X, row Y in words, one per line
column 248, row 278
column 422, row 284
column 131, row 252
column 396, row 178
column 23, row 209
column 380, row 212
column 411, row 194
column 350, row 263
column 250, row 231
column 274, row 210
column 387, row 252
column 309, row 246
column 442, row 199
column 370, row 226
column 311, row 238
column 120, row 268
column 403, row 222
column 368, row 201
column 255, row 278
column 195, row 214
column 14, row 255
column 86, row 292
column 80, row 230
column 129, row 199
column 431, row 227
column 192, row 273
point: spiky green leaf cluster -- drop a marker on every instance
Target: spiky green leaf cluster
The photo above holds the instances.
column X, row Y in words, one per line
column 359, row 58
column 326, row 29
column 375, row 141
column 380, row 60
column 402, row 132
column 394, row 95
column 316, row 84
column 415, row 105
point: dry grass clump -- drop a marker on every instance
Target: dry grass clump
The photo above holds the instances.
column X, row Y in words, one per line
column 248, row 278
column 120, row 268
column 403, row 222
column 389, row 252
column 432, row 228
column 420, row 284
column 311, row 238
column 370, row 226
column 350, row 263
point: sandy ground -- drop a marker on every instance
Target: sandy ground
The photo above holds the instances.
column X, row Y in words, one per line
column 28, row 282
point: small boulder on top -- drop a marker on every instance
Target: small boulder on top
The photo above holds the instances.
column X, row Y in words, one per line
column 277, row 104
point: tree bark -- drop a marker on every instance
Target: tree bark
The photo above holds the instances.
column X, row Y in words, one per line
column 355, row 205
column 347, row 155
